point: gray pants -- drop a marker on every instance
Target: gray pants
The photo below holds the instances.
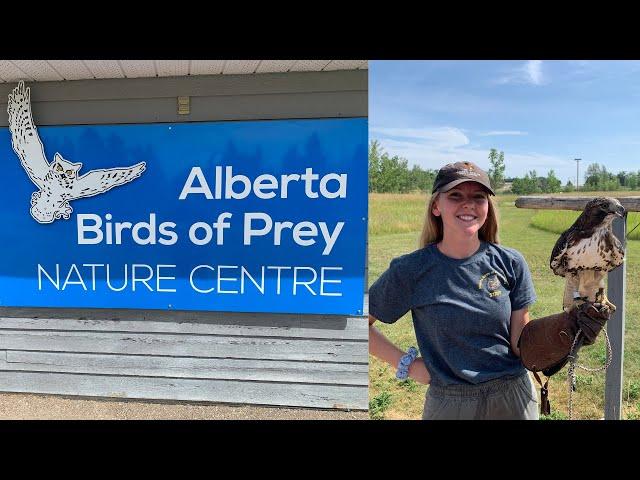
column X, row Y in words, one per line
column 507, row 398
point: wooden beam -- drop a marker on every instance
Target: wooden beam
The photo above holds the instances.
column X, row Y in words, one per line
column 632, row 204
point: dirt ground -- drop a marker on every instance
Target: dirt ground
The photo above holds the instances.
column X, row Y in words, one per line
column 19, row 406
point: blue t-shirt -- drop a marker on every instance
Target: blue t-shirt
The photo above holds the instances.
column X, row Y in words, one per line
column 461, row 309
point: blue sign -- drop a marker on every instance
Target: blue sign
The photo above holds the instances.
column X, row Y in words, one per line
column 259, row 216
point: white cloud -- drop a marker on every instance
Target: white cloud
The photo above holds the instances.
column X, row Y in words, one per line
column 529, row 73
column 434, row 147
column 495, row 133
column 534, row 71
column 541, row 163
column 440, row 137
column 432, row 156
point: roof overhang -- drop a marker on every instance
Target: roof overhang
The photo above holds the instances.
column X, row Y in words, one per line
column 62, row 70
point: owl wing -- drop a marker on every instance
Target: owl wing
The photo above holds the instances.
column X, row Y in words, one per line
column 99, row 181
column 24, row 136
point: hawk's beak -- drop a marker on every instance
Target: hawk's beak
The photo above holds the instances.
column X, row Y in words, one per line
column 621, row 212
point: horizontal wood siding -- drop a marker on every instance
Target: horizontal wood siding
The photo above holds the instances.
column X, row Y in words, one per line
column 186, row 367
column 275, row 359
column 223, row 391
column 318, row 361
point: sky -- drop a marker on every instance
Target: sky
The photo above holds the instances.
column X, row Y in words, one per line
column 541, row 114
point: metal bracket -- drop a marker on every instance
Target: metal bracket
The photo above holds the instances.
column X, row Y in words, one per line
column 184, row 106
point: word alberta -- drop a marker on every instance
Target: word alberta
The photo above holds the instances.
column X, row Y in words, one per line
column 263, row 185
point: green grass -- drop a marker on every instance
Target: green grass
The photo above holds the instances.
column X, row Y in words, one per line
column 395, row 222
column 631, row 391
column 396, row 213
column 554, row 415
column 378, row 404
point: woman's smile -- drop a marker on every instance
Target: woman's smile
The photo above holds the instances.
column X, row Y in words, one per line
column 467, row 217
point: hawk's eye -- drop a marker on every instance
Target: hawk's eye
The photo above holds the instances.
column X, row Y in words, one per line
column 69, row 173
column 59, row 167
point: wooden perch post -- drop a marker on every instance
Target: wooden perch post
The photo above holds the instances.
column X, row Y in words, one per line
column 616, row 287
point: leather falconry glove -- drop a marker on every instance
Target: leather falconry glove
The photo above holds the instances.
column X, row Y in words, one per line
column 545, row 343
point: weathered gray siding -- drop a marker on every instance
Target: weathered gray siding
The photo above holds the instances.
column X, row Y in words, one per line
column 228, row 97
column 270, row 359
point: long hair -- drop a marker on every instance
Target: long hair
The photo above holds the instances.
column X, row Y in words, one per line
column 433, row 230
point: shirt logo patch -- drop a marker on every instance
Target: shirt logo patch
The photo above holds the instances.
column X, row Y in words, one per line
column 493, row 281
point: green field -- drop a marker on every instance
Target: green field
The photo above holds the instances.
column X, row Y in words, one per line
column 395, row 221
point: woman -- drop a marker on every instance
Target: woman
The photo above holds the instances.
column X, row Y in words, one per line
column 469, row 301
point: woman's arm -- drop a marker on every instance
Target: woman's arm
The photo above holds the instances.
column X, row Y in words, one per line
column 519, row 318
column 382, row 348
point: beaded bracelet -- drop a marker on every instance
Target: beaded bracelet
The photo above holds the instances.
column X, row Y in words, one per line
column 405, row 362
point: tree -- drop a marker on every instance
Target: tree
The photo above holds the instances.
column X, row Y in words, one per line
column 496, row 172
column 375, row 152
column 422, row 180
column 529, row 184
column 598, row 178
column 623, row 178
column 569, row 187
column 553, row 184
column 391, row 174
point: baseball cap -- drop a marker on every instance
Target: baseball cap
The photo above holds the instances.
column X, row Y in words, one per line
column 454, row 174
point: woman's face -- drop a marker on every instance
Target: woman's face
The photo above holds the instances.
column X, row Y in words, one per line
column 463, row 209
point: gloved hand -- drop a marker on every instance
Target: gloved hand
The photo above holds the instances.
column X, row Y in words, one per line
column 545, row 342
column 591, row 318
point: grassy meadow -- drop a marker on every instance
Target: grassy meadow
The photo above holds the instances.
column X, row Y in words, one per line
column 395, row 221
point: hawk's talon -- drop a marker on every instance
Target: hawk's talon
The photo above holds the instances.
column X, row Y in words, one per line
column 602, row 298
column 578, row 301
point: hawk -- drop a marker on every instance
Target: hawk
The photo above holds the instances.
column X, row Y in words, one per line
column 58, row 182
column 587, row 251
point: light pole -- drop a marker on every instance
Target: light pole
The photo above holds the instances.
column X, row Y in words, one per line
column 577, row 160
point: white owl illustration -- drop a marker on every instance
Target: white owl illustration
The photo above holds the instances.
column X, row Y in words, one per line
column 58, row 182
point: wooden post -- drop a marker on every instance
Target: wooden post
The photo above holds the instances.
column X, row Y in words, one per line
column 616, row 287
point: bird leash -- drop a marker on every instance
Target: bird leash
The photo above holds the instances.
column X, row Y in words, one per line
column 573, row 364
column 629, row 233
